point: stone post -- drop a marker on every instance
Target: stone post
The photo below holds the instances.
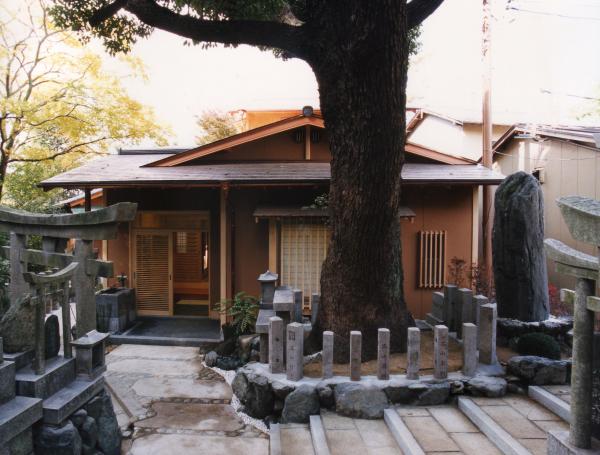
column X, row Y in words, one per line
column 450, row 291
column 469, row 332
column 440, row 352
column 298, row 304
column 463, row 309
column 39, row 302
column 314, row 307
column 295, row 351
column 1, row 350
column 478, row 300
column 83, row 285
column 487, row 334
column 355, row 354
column 581, row 371
column 276, row 344
column 18, row 287
column 327, row 354
column 66, row 320
column 414, row 353
column 383, row 354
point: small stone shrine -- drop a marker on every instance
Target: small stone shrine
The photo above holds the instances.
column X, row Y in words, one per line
column 582, row 217
column 40, row 383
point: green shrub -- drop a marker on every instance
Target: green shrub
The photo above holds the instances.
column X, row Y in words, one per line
column 539, row 344
column 243, row 309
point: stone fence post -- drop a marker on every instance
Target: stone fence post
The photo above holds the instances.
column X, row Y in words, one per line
column 295, row 351
column 487, row 334
column 276, row 361
column 355, row 355
column 414, row 353
column 383, row 354
column 327, row 354
column 440, row 352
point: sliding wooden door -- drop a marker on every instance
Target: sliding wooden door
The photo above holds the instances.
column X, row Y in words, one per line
column 153, row 272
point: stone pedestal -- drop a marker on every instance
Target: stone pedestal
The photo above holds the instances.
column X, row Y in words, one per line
column 115, row 309
column 89, row 355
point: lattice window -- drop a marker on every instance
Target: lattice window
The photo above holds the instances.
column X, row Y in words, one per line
column 432, row 259
column 152, row 274
column 303, row 249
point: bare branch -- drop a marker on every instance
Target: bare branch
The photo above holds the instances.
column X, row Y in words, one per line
column 419, row 10
column 71, row 149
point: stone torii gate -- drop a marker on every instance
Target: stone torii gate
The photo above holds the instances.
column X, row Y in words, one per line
column 56, row 230
column 582, row 217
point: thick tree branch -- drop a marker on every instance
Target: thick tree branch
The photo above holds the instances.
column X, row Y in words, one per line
column 419, row 10
column 252, row 32
column 106, row 12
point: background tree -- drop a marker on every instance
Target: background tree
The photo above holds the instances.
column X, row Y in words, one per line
column 358, row 50
column 215, row 125
column 57, row 105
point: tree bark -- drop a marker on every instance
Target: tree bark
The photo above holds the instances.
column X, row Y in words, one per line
column 361, row 70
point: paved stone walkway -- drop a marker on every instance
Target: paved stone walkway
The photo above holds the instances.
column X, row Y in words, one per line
column 173, row 405
column 560, row 391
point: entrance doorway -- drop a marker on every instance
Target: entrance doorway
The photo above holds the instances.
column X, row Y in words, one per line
column 171, row 263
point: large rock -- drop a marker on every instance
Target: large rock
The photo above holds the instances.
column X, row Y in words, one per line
column 360, row 401
column 300, row 405
column 281, row 389
column 487, row 386
column 430, row 393
column 17, row 326
column 64, row 440
column 211, row 359
column 254, row 392
column 89, row 434
column 518, row 243
column 52, row 336
column 539, row 370
column 100, row 408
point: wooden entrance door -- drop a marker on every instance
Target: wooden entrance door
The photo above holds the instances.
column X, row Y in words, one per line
column 153, row 276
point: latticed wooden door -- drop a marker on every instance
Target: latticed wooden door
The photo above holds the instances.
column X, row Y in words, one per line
column 153, row 273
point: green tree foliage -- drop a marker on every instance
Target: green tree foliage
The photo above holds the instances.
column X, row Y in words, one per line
column 215, row 125
column 57, row 104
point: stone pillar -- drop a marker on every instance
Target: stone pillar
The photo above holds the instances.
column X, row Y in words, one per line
column 581, row 372
column 295, row 351
column 1, row 350
column 487, row 334
column 414, row 353
column 327, row 354
column 469, row 332
column 264, row 348
column 18, row 287
column 478, row 300
column 355, row 355
column 314, row 307
column 66, row 321
column 276, row 344
column 383, row 354
column 463, row 309
column 450, row 291
column 83, row 285
column 298, row 304
column 440, row 352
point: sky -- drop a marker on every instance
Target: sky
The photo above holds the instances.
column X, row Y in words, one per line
column 544, row 53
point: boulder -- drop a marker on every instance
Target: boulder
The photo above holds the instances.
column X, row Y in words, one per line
column 51, row 440
column 539, row 370
column 211, row 359
column 430, row 393
column 400, row 393
column 281, row 389
column 100, row 408
column 487, row 386
column 227, row 347
column 78, row 417
column 52, row 336
column 15, row 324
column 244, row 346
column 326, row 396
column 300, row 405
column 228, row 363
column 254, row 392
column 360, row 401
column 240, row 387
column 518, row 239
column 89, row 433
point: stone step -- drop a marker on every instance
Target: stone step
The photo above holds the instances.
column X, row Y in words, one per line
column 59, row 372
column 401, row 433
column 295, row 439
column 21, row 359
column 550, row 401
column 17, row 415
column 317, row 434
column 7, row 381
column 67, row 400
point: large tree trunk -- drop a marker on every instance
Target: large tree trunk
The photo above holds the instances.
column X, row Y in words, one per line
column 361, row 70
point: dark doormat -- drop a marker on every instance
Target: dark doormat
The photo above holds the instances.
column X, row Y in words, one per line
column 175, row 331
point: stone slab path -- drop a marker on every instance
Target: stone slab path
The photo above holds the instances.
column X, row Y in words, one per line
column 173, row 405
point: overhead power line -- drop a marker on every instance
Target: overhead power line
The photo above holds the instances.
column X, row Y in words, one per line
column 548, row 13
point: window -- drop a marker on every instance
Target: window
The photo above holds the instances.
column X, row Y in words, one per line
column 303, row 249
column 432, row 259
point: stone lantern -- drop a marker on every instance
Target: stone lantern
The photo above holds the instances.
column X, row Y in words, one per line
column 267, row 289
column 89, row 355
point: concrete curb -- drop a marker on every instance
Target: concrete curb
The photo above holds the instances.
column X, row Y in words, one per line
column 275, row 440
column 499, row 437
column 401, row 433
column 550, row 402
column 317, row 433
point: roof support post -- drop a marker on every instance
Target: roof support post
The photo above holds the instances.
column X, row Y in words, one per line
column 88, row 199
column 224, row 247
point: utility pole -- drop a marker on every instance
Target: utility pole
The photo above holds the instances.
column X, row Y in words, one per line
column 488, row 201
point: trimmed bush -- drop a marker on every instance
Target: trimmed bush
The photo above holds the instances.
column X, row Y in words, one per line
column 539, row 344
